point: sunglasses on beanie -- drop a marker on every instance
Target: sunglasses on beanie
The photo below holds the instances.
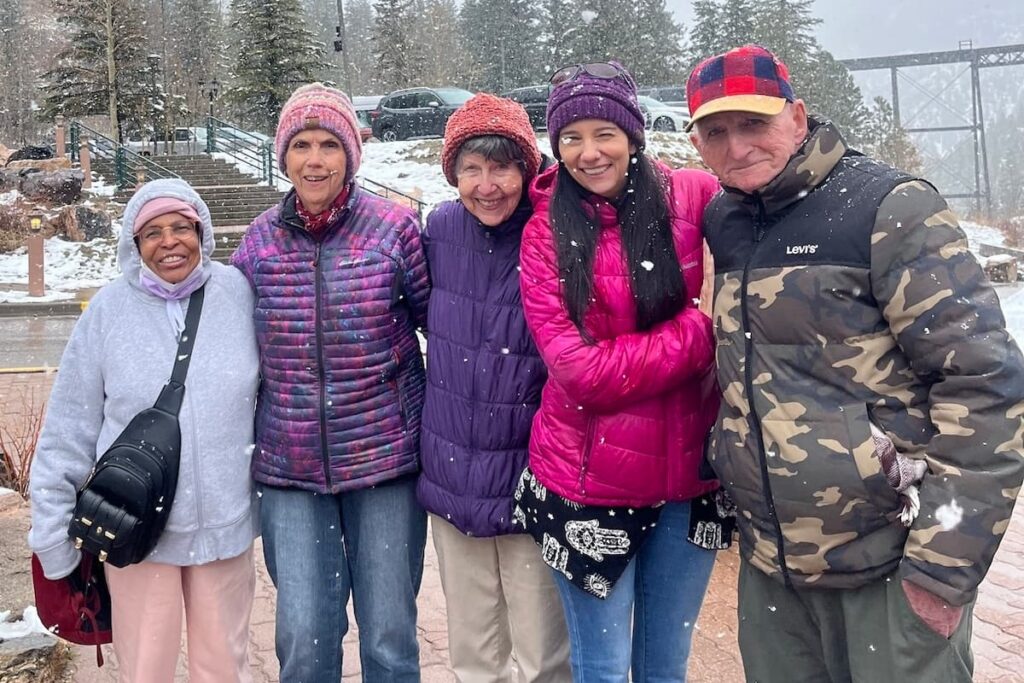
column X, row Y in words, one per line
column 595, row 69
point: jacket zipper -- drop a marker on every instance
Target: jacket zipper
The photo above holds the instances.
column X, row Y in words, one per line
column 588, row 446
column 397, row 357
column 322, row 375
column 755, row 423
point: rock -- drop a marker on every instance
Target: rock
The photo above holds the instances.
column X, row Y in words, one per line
column 30, row 152
column 33, row 659
column 58, row 187
column 5, row 154
column 40, row 164
column 9, row 180
column 80, row 223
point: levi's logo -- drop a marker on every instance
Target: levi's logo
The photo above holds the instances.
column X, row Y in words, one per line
column 802, row 249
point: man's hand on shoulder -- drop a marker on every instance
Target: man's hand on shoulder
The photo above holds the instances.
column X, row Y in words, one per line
column 940, row 616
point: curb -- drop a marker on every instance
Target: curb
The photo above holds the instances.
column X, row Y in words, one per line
column 42, row 309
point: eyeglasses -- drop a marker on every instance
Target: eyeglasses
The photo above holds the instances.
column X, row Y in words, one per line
column 180, row 232
column 595, row 69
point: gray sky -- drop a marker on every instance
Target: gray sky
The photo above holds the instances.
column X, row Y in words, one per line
column 870, row 28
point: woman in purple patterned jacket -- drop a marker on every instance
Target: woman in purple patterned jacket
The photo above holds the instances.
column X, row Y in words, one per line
column 341, row 285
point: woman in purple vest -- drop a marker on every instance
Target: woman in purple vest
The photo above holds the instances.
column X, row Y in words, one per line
column 483, row 387
column 341, row 284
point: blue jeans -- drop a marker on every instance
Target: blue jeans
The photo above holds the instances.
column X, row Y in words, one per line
column 662, row 589
column 320, row 548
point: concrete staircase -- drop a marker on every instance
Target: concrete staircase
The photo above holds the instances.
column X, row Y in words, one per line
column 234, row 198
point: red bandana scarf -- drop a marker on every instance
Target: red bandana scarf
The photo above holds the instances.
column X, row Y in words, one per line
column 315, row 224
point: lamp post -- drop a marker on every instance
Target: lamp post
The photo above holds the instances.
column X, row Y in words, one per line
column 154, row 64
column 36, row 284
column 211, row 89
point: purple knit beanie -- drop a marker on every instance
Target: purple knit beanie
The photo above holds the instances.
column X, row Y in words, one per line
column 589, row 97
column 314, row 106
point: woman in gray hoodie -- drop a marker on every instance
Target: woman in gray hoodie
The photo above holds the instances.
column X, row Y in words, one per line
column 119, row 356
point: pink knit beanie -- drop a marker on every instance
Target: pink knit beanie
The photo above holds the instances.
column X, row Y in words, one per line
column 316, row 106
column 158, row 206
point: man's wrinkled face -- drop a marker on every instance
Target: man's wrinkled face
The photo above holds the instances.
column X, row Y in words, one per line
column 746, row 150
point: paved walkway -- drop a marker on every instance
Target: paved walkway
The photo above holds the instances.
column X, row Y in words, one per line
column 998, row 617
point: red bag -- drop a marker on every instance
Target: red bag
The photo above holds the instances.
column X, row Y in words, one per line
column 77, row 607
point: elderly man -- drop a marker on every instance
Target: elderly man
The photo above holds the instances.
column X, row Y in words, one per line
column 871, row 430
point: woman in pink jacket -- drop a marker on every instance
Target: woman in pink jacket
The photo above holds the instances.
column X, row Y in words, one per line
column 611, row 275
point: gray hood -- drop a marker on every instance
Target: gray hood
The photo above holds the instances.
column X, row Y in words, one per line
column 128, row 257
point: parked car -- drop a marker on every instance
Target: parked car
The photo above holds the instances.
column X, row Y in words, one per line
column 659, row 116
column 182, row 140
column 535, row 100
column 364, row 106
column 672, row 95
column 416, row 112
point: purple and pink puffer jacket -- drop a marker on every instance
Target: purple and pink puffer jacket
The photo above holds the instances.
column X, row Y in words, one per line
column 339, row 405
column 622, row 421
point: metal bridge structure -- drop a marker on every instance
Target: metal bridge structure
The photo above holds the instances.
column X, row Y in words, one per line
column 975, row 60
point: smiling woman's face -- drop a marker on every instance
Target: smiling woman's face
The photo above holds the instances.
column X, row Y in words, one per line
column 169, row 246
column 597, row 154
column 315, row 163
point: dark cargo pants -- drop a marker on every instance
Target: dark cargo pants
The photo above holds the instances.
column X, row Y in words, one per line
column 862, row 635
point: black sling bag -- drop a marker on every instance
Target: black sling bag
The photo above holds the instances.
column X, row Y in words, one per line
column 123, row 507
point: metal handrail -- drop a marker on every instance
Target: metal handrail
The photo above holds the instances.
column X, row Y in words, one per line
column 126, row 161
column 240, row 145
column 391, row 193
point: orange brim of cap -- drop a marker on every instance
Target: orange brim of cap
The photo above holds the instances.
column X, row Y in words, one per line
column 755, row 104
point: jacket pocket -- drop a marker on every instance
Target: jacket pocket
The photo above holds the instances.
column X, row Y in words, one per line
column 867, row 461
column 396, row 362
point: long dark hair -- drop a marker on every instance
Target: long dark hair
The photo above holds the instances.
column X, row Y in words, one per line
column 659, row 291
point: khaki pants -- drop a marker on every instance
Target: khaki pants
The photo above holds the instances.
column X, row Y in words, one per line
column 147, row 601
column 861, row 635
column 502, row 606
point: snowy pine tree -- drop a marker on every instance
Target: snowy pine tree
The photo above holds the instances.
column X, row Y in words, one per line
column 274, row 54
column 391, row 43
column 359, row 44
column 885, row 139
column 786, row 28
column 102, row 69
column 503, row 37
column 559, row 17
column 436, row 46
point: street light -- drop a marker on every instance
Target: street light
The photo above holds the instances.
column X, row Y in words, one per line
column 211, row 89
column 154, row 65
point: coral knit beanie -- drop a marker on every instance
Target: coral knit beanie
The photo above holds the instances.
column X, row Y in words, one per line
column 486, row 114
column 317, row 106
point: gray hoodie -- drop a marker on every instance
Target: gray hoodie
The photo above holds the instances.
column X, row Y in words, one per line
column 119, row 356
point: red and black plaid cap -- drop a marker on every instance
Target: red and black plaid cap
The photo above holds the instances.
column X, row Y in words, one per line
column 747, row 78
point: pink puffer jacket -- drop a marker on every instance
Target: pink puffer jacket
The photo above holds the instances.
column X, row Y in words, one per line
column 622, row 421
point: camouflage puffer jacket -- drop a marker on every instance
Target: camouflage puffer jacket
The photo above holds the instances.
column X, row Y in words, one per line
column 845, row 295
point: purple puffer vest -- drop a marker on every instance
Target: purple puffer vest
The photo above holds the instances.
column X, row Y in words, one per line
column 339, row 405
column 484, row 373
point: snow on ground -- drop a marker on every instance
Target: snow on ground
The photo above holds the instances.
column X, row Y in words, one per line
column 4, row 492
column 982, row 234
column 409, row 167
column 29, row 624
column 8, row 197
column 70, row 266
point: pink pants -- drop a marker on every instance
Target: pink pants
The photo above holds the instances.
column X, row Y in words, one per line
column 146, row 610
